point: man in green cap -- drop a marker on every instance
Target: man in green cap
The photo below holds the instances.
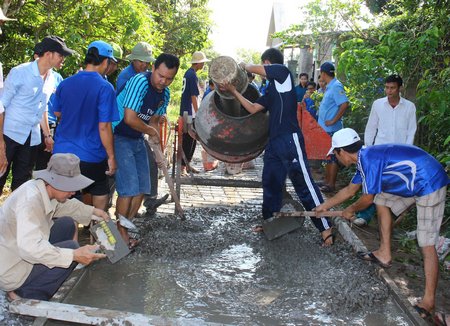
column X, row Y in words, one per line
column 141, row 56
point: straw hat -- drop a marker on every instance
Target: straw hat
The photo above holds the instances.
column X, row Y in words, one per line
column 199, row 57
column 63, row 173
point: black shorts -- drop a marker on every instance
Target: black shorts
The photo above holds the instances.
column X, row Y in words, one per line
column 96, row 172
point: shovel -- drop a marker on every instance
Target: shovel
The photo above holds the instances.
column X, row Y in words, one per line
column 284, row 222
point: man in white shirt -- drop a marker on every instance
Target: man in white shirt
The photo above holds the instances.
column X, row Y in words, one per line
column 391, row 120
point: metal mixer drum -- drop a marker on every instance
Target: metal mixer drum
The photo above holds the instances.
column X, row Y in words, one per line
column 227, row 131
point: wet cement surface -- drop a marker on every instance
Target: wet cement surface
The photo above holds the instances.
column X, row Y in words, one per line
column 213, row 267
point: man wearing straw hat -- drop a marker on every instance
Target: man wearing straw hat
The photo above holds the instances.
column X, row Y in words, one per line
column 189, row 104
column 38, row 234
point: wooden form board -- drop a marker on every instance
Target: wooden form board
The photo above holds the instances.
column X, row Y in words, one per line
column 95, row 316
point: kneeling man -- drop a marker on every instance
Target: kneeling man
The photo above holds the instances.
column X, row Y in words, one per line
column 38, row 247
column 394, row 177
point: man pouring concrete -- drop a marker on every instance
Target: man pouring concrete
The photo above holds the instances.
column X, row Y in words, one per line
column 394, row 177
column 38, row 233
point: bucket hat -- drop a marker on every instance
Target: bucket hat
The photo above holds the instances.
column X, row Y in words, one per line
column 142, row 52
column 63, row 173
column 3, row 17
column 342, row 138
column 199, row 57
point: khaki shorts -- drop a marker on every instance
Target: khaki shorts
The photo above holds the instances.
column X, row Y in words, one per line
column 430, row 211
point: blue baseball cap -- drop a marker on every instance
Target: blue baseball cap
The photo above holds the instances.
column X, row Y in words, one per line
column 104, row 49
column 327, row 67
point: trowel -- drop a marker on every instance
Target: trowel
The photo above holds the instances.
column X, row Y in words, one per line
column 284, row 222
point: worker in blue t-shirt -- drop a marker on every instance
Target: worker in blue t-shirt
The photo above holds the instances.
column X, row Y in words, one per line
column 394, row 177
column 285, row 152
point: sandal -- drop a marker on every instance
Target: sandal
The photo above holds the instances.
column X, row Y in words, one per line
column 423, row 313
column 369, row 256
column 440, row 319
column 12, row 296
column 332, row 235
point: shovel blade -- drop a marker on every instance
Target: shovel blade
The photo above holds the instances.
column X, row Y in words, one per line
column 276, row 227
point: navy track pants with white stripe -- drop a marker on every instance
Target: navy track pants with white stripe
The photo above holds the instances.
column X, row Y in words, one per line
column 285, row 156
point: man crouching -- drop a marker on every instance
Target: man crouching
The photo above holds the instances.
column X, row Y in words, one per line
column 38, row 247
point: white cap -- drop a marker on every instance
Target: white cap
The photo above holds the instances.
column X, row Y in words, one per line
column 342, row 138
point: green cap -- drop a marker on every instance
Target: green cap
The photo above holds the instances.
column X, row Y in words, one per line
column 117, row 50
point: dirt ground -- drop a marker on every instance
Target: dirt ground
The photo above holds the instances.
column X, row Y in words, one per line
column 407, row 269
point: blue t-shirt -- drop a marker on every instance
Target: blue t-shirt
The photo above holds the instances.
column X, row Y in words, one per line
column 140, row 96
column 84, row 100
column 190, row 88
column 402, row 170
column 124, row 76
column 280, row 100
column 300, row 91
column 51, row 115
column 329, row 107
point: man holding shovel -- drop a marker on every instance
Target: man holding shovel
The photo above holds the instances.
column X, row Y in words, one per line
column 394, row 177
column 285, row 152
column 141, row 104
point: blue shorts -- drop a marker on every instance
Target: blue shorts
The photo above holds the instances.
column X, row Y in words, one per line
column 133, row 174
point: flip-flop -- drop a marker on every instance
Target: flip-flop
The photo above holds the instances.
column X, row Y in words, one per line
column 423, row 313
column 12, row 296
column 369, row 256
column 332, row 235
column 440, row 319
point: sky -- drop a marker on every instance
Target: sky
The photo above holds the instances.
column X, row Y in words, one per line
column 241, row 24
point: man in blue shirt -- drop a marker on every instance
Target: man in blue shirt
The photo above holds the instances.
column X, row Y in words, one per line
column 141, row 56
column 285, row 152
column 394, row 177
column 141, row 104
column 86, row 105
column 26, row 92
column 332, row 108
column 189, row 104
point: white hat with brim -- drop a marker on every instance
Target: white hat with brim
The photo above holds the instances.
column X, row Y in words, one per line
column 63, row 173
column 3, row 17
column 342, row 138
column 199, row 57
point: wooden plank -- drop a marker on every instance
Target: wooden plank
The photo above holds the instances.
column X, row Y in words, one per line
column 95, row 316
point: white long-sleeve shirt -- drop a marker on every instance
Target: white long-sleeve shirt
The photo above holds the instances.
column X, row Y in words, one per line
column 391, row 125
column 25, row 223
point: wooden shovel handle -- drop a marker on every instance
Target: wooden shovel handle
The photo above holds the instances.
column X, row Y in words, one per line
column 307, row 213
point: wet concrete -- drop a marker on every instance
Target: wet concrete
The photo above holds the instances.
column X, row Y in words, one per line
column 214, row 268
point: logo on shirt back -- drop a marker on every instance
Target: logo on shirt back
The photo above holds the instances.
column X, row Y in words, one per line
column 285, row 87
column 411, row 165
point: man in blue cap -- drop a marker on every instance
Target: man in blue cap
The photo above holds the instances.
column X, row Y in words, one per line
column 86, row 104
column 331, row 110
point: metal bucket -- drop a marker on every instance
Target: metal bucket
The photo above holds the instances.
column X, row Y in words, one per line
column 227, row 131
column 225, row 69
